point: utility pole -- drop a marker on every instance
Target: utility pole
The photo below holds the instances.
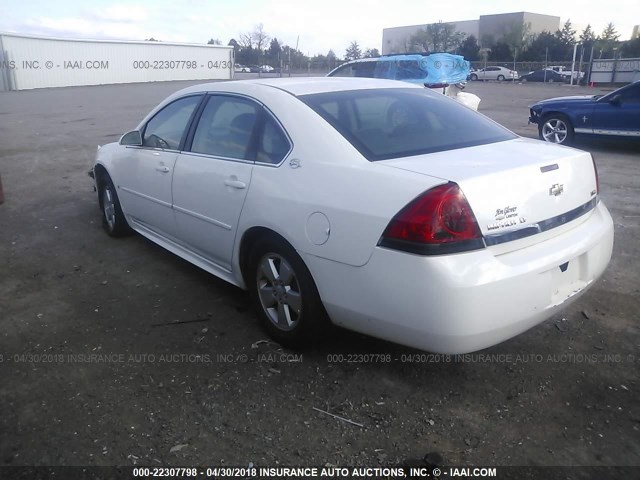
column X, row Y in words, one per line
column 573, row 63
column 485, row 54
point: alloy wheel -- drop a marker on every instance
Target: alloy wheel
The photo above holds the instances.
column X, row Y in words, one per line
column 279, row 291
column 554, row 130
column 109, row 207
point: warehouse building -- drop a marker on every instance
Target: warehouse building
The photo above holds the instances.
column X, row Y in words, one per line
column 488, row 29
column 37, row 62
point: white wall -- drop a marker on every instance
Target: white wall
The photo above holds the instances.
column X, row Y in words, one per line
column 36, row 62
column 626, row 71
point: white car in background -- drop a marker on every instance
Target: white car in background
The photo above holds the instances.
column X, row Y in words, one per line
column 409, row 68
column 494, row 73
column 380, row 206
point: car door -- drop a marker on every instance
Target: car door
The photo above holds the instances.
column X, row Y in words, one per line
column 537, row 76
column 545, row 75
column 490, row 73
column 619, row 114
column 145, row 172
column 211, row 179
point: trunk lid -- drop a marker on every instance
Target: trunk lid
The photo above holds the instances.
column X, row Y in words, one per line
column 514, row 187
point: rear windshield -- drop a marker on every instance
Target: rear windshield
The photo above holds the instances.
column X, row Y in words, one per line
column 398, row 122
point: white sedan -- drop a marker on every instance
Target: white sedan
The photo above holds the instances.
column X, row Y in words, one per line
column 494, row 73
column 379, row 206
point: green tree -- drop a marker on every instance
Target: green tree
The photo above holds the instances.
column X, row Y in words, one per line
column 609, row 33
column 546, row 45
column 567, row 35
column 332, row 59
column 353, row 52
column 501, row 52
column 319, row 62
column 371, row 53
column 607, row 41
column 274, row 51
column 294, row 57
column 517, row 37
column 587, row 35
column 469, row 48
column 487, row 41
column 437, row 37
column 631, row 48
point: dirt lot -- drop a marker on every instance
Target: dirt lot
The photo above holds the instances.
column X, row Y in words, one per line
column 95, row 371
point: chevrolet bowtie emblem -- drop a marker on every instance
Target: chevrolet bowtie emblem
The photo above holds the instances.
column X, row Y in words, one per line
column 556, row 189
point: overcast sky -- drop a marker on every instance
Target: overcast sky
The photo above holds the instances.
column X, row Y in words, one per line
column 321, row 25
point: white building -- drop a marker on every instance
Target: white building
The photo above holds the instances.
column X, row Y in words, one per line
column 488, row 29
column 36, row 62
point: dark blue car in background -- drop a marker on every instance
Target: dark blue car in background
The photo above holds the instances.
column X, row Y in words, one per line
column 546, row 75
column 614, row 114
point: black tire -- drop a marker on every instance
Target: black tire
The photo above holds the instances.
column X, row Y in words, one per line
column 474, row 77
column 273, row 292
column 500, row 78
column 556, row 128
column 523, row 80
column 113, row 219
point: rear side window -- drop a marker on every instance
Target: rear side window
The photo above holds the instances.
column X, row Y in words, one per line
column 394, row 123
column 166, row 128
column 226, row 127
column 273, row 144
column 358, row 69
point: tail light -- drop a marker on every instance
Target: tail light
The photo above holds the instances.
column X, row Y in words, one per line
column 439, row 221
column 595, row 169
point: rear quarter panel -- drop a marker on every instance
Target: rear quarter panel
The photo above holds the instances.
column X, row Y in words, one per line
column 358, row 197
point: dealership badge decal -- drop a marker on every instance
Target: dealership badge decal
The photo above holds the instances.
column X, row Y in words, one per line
column 506, row 217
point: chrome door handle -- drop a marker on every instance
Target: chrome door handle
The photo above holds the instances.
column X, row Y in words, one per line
column 235, row 184
column 162, row 169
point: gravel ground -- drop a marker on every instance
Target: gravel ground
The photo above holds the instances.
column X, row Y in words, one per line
column 96, row 370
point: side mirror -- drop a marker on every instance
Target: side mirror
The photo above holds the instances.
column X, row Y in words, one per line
column 133, row 138
column 616, row 100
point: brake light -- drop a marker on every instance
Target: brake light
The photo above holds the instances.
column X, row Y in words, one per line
column 595, row 169
column 438, row 221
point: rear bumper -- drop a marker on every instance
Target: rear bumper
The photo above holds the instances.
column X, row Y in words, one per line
column 465, row 302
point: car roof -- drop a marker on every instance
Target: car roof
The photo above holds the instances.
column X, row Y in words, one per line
column 301, row 85
column 360, row 60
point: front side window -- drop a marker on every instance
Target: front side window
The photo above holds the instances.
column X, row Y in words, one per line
column 401, row 122
column 631, row 94
column 166, row 128
column 226, row 128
